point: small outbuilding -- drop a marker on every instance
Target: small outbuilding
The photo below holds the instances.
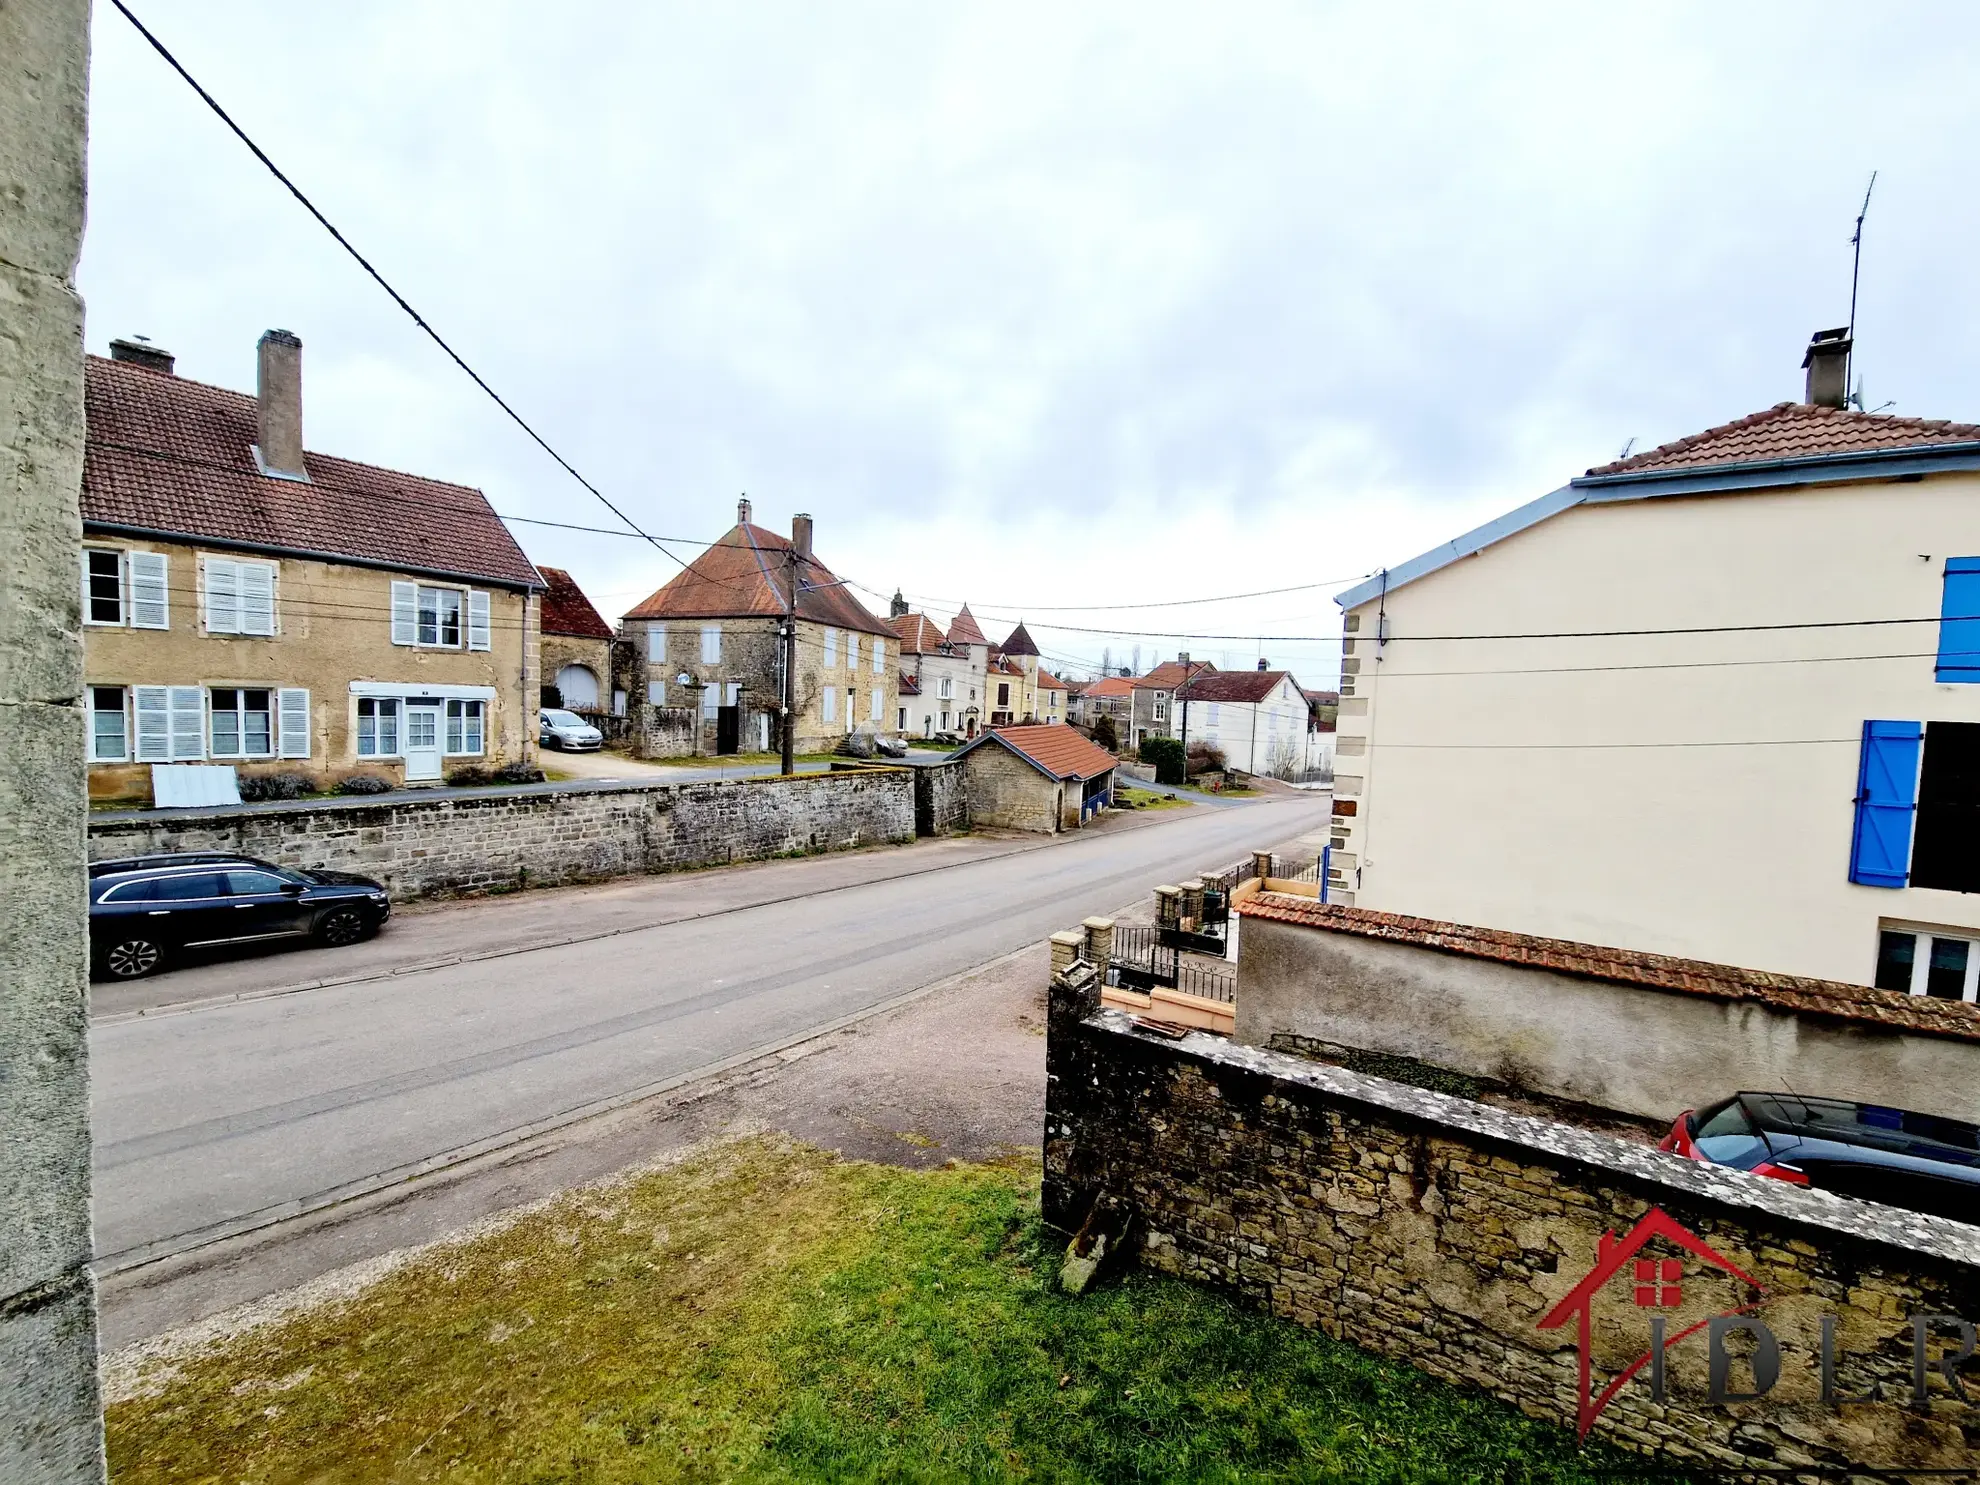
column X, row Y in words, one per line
column 1043, row 777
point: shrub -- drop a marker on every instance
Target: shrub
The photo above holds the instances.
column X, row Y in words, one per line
column 1106, row 734
column 364, row 783
column 1166, row 753
column 1205, row 758
column 517, row 773
column 257, row 787
column 468, row 775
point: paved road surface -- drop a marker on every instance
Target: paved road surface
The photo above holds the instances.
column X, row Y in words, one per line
column 219, row 1117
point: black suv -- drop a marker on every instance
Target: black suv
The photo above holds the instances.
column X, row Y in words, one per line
column 144, row 909
column 1919, row 1161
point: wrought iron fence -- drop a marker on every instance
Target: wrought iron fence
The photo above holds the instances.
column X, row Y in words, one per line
column 1208, row 981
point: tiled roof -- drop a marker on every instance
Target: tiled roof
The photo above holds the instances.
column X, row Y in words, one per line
column 1794, row 993
column 1052, row 748
column 1049, row 682
column 918, row 635
column 1794, row 430
column 1112, row 686
column 1232, row 685
column 998, row 665
column 743, row 576
column 965, row 631
column 1322, row 698
column 1020, row 642
column 1169, row 674
column 174, row 456
column 909, row 685
column 567, row 611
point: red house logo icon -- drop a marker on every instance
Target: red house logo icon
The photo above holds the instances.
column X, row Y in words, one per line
column 1656, row 1284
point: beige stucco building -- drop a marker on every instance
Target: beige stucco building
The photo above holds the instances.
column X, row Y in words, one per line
column 245, row 603
column 1719, row 700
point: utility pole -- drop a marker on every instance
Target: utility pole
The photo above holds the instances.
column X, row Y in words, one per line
column 790, row 668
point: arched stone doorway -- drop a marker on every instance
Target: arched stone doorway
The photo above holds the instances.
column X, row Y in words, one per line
column 578, row 685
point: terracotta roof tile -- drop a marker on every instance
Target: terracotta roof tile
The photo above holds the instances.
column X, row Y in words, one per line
column 1112, row 686
column 1169, row 674
column 965, row 631
column 918, row 634
column 1232, row 685
column 1049, row 682
column 1828, row 998
column 1794, row 430
column 567, row 611
column 743, row 576
column 174, row 456
column 1053, row 747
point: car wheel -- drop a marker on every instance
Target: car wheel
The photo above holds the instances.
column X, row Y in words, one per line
column 133, row 958
column 340, row 926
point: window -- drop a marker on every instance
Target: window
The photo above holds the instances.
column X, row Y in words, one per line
column 1943, row 853
column 656, row 645
column 378, row 727
column 254, row 884
column 242, row 723
column 879, row 657
column 1215, row 711
column 831, row 647
column 192, row 886
column 656, row 693
column 828, row 708
column 1959, row 622
column 440, row 618
column 711, row 644
column 874, row 714
column 1003, row 693
column 240, row 596
column 1161, row 706
column 852, row 651
column 464, row 727
column 109, row 730
column 103, row 586
column 1919, row 962
column 945, row 688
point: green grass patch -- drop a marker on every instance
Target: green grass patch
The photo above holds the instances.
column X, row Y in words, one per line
column 1147, row 799
column 767, row 1312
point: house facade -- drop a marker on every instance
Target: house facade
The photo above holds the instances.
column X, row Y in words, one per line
column 712, row 641
column 1719, row 700
column 1154, row 712
column 576, row 649
column 1011, row 681
column 1260, row 719
column 285, row 612
column 1038, row 777
column 947, row 673
column 1054, row 697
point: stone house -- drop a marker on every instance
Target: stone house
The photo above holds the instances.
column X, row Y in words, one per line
column 947, row 673
column 247, row 602
column 1154, row 712
column 577, row 649
column 1011, row 681
column 712, row 639
column 1110, row 696
column 1259, row 719
column 1038, row 777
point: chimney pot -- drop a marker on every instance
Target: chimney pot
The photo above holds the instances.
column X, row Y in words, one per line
column 742, row 511
column 1827, row 365
column 1262, row 664
column 141, row 352
column 278, row 405
column 801, row 535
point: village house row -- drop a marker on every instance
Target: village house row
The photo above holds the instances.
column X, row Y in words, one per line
column 250, row 602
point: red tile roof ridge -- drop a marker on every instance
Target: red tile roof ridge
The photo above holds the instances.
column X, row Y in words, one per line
column 1053, row 748
column 566, row 610
column 734, row 578
column 1797, row 430
column 1240, row 686
column 1797, row 993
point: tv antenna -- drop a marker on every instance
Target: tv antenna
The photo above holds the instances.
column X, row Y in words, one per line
column 1855, row 273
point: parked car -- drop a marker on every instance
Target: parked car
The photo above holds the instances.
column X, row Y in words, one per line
column 557, row 728
column 145, row 910
column 1922, row 1162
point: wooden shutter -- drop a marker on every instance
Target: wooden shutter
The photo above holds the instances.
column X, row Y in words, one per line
column 831, row 649
column 1959, row 622
column 188, row 718
column 1886, row 800
column 405, row 613
column 257, row 597
column 150, row 608
column 223, row 595
column 477, row 617
column 292, row 722
column 656, row 644
column 154, row 724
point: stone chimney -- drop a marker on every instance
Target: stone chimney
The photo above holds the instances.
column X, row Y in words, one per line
column 1827, row 364
column 742, row 511
column 278, row 406
column 140, row 352
column 801, row 536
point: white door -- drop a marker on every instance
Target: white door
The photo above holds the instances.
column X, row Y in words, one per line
column 422, row 741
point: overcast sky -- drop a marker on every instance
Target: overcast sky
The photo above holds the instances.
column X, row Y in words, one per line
column 1053, row 305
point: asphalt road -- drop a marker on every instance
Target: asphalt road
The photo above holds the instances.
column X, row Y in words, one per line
column 215, row 1116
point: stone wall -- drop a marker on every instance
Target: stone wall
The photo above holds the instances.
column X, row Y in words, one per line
column 1006, row 791
column 941, row 799
column 50, row 1428
column 666, row 731
column 1641, row 1050
column 1441, row 1232
column 545, row 836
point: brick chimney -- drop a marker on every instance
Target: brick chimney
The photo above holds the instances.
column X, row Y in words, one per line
column 1827, row 364
column 278, row 406
column 801, row 536
column 742, row 511
column 141, row 352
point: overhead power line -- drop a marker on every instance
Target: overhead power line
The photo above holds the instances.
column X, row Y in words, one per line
column 379, row 278
column 1095, row 608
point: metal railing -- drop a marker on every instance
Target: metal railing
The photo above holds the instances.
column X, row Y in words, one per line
column 1207, row 981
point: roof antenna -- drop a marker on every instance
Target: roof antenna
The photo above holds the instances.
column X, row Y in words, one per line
column 1855, row 272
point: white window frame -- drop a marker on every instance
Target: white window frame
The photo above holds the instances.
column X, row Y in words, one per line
column 383, row 708
column 828, row 705
column 238, row 596
column 1921, row 955
column 831, row 649
column 459, row 714
column 119, row 557
column 711, row 644
column 1161, row 706
column 656, row 646
column 123, row 713
column 470, row 612
column 241, row 713
column 945, row 689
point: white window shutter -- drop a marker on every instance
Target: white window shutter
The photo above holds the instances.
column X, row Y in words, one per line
column 827, row 710
column 711, row 644
column 188, row 707
column 154, row 724
column 150, row 609
column 876, row 707
column 477, row 626
column 852, row 650
column 257, row 597
column 656, row 645
column 879, row 657
column 831, row 651
column 293, row 722
column 405, row 613
column 656, row 693
column 223, row 595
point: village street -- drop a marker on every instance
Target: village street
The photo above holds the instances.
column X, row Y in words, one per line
column 215, row 1116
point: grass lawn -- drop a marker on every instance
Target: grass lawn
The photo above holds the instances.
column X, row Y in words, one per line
column 1148, row 799
column 767, row 1312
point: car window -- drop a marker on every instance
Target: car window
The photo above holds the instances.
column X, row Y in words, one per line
column 190, row 887
column 1913, row 1190
column 563, row 719
column 253, row 883
column 129, row 892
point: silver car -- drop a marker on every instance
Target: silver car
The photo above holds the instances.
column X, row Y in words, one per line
column 567, row 731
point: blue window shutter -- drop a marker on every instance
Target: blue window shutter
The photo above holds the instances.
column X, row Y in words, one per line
column 1959, row 622
column 1886, row 800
